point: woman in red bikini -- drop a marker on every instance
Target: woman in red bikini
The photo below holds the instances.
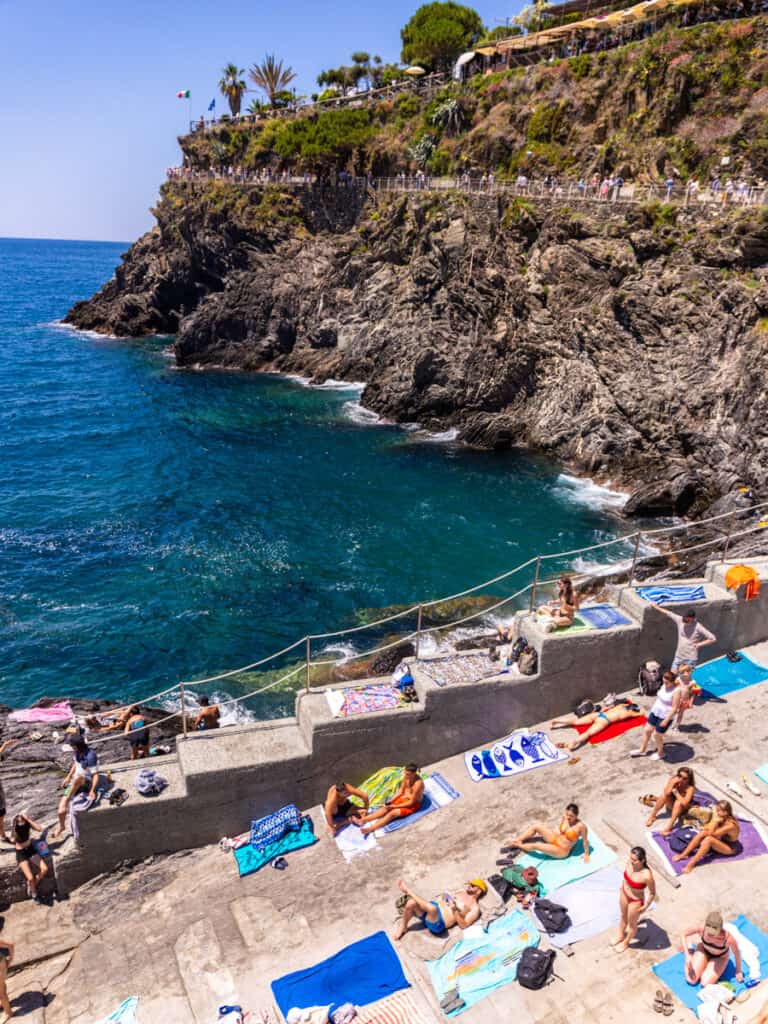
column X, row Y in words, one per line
column 638, row 891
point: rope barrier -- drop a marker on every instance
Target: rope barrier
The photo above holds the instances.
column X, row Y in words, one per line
column 245, row 668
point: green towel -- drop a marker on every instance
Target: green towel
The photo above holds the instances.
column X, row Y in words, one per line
column 553, row 873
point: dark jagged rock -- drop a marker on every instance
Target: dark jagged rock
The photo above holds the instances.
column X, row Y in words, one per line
column 631, row 349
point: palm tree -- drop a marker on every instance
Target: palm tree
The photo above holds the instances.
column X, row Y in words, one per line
column 271, row 77
column 232, row 86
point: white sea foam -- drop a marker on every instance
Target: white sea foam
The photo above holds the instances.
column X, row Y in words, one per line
column 97, row 335
column 441, row 437
column 341, row 651
column 231, row 714
column 363, row 417
column 327, row 385
column 587, row 492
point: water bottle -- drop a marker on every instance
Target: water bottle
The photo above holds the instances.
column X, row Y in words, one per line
column 231, row 1014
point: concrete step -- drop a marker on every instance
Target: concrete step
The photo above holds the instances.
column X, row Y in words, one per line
column 208, row 981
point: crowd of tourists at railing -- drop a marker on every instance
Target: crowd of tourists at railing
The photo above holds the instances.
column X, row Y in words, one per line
column 725, row 191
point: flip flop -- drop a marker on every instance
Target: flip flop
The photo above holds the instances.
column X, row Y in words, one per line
column 573, row 760
column 450, row 997
column 648, row 800
column 561, row 746
column 658, row 1001
column 509, row 849
column 668, row 1007
column 742, row 997
column 457, row 1004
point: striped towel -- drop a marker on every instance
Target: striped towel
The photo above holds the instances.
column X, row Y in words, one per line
column 398, row 1008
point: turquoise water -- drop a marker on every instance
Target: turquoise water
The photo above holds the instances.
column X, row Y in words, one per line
column 158, row 525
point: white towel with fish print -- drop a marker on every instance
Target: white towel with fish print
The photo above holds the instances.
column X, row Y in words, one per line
column 519, row 752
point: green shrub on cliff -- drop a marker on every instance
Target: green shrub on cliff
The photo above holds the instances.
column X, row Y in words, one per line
column 330, row 137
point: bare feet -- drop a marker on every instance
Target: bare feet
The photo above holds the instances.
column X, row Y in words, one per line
column 688, row 869
column 622, row 947
column 617, row 942
column 679, row 856
column 403, row 887
column 666, row 832
column 650, row 821
column 401, row 930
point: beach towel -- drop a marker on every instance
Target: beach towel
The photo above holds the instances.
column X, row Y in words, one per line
column 61, row 712
column 124, row 1014
column 351, row 842
column 399, row 1008
column 603, row 616
column 673, row 594
column 671, row 972
column 519, row 752
column 762, row 773
column 592, row 903
column 437, row 793
column 81, row 802
column 577, row 626
column 273, row 826
column 752, row 843
column 460, row 668
column 720, row 677
column 483, row 959
column 362, row 701
column 614, row 729
column 249, row 859
column 362, row 973
column 381, row 786
column 553, row 873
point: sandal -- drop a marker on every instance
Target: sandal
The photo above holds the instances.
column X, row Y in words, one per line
column 668, row 1007
column 450, row 997
column 573, row 760
column 561, row 746
column 658, row 1001
column 648, row 800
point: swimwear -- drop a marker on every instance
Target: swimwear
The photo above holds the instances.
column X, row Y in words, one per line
column 138, row 735
column 567, row 835
column 436, row 927
column 638, row 886
column 25, row 853
column 397, row 803
column 712, row 949
column 602, row 714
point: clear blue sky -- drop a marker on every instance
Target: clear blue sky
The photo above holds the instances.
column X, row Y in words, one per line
column 90, row 115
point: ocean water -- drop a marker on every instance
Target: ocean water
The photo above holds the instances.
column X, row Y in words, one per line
column 158, row 525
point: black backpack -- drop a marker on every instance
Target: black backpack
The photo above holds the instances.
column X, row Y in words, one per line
column 552, row 916
column 535, row 967
column 518, row 647
column 649, row 678
column 680, row 839
column 585, row 708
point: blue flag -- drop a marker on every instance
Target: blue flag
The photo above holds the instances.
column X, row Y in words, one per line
column 212, row 104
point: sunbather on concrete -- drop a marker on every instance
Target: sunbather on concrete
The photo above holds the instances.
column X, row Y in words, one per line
column 721, row 836
column 444, row 911
column 558, row 844
column 338, row 808
column 677, row 798
column 407, row 800
column 706, row 963
column 597, row 721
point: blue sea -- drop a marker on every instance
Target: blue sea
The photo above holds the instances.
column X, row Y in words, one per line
column 159, row 525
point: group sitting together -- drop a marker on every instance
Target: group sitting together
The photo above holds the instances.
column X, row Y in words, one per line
column 339, row 809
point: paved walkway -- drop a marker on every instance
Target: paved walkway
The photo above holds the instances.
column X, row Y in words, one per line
column 185, row 934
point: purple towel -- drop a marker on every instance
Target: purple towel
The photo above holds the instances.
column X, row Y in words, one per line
column 750, row 844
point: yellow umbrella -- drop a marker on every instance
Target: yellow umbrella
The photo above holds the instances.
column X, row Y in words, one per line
column 415, row 71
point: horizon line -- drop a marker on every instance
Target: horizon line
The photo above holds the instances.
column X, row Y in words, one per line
column 48, row 238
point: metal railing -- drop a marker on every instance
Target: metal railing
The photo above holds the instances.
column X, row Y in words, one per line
column 639, row 541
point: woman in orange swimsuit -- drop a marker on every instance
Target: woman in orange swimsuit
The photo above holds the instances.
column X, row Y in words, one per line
column 540, row 839
column 638, row 891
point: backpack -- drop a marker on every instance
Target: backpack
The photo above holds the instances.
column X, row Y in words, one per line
column 535, row 967
column 528, row 662
column 523, row 880
column 679, row 840
column 553, row 917
column 149, row 783
column 518, row 647
column 585, row 708
column 649, row 679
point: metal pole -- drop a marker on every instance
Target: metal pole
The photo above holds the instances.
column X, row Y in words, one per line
column 183, row 711
column 535, row 583
column 308, row 664
column 638, row 537
column 418, row 631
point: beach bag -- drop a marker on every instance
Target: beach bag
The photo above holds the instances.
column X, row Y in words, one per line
column 553, row 917
column 518, row 647
column 524, row 880
column 585, row 708
column 502, row 887
column 649, row 679
column 679, row 840
column 535, row 967
column 149, row 783
column 528, row 662
column 274, row 826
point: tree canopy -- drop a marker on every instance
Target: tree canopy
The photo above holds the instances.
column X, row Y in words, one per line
column 232, row 86
column 438, row 32
column 271, row 77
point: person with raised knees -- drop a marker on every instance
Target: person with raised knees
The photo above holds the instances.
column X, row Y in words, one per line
column 706, row 962
column 557, row 843
column 720, row 835
column 444, row 911
column 676, row 797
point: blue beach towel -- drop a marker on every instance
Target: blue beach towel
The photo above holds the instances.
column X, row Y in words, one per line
column 273, row 826
column 603, row 616
column 362, row 973
column 124, row 1014
column 762, row 773
column 681, row 594
column 249, row 859
column 671, row 972
column 720, row 677
column 437, row 793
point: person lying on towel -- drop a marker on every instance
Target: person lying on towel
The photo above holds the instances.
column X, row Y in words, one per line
column 407, row 800
column 444, row 911
column 597, row 721
column 339, row 809
column 554, row 843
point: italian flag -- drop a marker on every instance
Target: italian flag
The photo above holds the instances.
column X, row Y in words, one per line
column 184, row 94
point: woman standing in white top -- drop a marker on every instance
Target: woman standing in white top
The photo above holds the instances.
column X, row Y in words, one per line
column 664, row 709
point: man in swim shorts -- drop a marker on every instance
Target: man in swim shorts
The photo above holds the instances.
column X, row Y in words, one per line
column 407, row 800
column 338, row 808
column 443, row 912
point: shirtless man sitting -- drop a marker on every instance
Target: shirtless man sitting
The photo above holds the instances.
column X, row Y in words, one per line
column 338, row 808
column 597, row 721
column 208, row 716
column 444, row 911
column 407, row 800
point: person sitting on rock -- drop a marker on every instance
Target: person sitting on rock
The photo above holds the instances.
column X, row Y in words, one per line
column 31, row 864
column 339, row 809
column 406, row 801
column 563, row 609
column 208, row 717
column 137, row 731
column 721, row 836
column 677, row 797
column 82, row 776
column 115, row 720
column 597, row 722
column 557, row 844
column 444, row 911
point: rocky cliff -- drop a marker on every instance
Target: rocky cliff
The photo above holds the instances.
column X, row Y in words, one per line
column 632, row 346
